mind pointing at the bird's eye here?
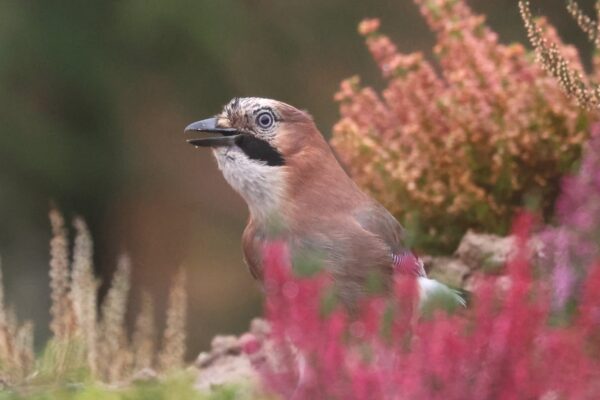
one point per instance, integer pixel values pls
(265, 120)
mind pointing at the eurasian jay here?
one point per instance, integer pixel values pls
(273, 155)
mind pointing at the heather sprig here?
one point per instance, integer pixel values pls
(16, 343)
(571, 77)
(572, 246)
(60, 310)
(144, 336)
(84, 292)
(173, 347)
(114, 348)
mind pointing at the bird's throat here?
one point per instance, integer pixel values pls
(261, 185)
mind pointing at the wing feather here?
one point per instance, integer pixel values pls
(374, 218)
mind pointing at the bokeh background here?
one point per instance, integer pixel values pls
(94, 97)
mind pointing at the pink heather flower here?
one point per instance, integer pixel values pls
(501, 347)
(574, 245)
(249, 343)
(563, 275)
(368, 26)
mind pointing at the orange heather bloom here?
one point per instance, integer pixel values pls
(368, 26)
(461, 148)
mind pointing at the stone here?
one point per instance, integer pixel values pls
(484, 251)
(204, 359)
(260, 328)
(502, 283)
(227, 369)
(448, 270)
(225, 344)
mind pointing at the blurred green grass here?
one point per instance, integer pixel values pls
(177, 387)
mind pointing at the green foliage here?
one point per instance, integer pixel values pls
(63, 361)
(179, 386)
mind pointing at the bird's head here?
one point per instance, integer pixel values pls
(260, 145)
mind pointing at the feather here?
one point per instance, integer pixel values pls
(434, 295)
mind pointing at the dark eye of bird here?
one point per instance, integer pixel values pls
(265, 120)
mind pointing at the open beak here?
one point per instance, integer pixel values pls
(227, 136)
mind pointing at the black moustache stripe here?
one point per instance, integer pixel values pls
(258, 149)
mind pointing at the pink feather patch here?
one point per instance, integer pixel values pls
(407, 264)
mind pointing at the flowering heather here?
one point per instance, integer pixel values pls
(462, 147)
(502, 347)
(574, 244)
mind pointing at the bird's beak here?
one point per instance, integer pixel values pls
(227, 135)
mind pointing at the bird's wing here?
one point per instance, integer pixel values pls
(374, 218)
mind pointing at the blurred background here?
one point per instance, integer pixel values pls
(94, 99)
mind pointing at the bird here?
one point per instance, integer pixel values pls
(274, 156)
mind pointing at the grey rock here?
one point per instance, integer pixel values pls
(226, 363)
(485, 251)
(204, 359)
(260, 328)
(226, 369)
(228, 344)
(502, 283)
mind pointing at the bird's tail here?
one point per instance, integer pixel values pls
(434, 295)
